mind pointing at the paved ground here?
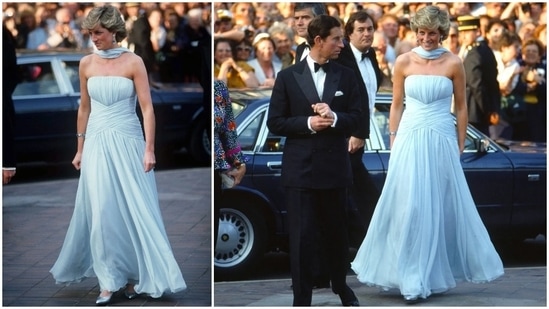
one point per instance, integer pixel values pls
(519, 287)
(35, 220)
(36, 216)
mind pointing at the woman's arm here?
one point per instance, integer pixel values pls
(141, 82)
(397, 106)
(83, 111)
(458, 79)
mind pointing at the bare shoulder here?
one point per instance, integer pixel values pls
(86, 61)
(455, 63)
(455, 59)
(133, 58)
(404, 58)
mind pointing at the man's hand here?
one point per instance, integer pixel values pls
(323, 110)
(319, 123)
(7, 176)
(494, 119)
(355, 144)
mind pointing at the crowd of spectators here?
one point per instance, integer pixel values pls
(505, 26)
(169, 39)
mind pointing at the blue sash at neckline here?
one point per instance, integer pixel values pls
(429, 54)
(112, 53)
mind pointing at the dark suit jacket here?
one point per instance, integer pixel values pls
(299, 51)
(9, 82)
(483, 96)
(321, 160)
(140, 36)
(347, 58)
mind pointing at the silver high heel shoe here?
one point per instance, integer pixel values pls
(411, 299)
(103, 300)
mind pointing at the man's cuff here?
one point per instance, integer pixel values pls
(8, 168)
(309, 125)
(335, 120)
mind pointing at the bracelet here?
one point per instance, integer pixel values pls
(393, 133)
(81, 135)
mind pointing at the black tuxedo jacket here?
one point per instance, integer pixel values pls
(347, 58)
(299, 51)
(9, 82)
(319, 160)
(140, 37)
(482, 89)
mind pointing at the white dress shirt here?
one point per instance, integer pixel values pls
(319, 79)
(368, 75)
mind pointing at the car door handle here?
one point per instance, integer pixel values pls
(533, 177)
(274, 166)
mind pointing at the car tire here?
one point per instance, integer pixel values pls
(200, 143)
(240, 243)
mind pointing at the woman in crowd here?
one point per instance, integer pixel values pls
(532, 85)
(235, 74)
(283, 37)
(264, 65)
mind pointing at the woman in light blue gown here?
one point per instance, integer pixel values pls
(426, 233)
(116, 232)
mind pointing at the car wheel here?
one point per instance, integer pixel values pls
(200, 145)
(240, 242)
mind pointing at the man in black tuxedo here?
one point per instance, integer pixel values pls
(482, 88)
(9, 82)
(304, 12)
(316, 105)
(139, 35)
(359, 55)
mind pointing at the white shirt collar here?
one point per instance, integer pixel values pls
(356, 52)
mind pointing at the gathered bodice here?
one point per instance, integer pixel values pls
(113, 106)
(428, 103)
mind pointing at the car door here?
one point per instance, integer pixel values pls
(46, 103)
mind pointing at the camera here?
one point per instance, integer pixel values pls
(525, 7)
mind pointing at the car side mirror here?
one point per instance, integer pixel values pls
(482, 145)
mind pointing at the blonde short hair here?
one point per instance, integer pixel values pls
(431, 17)
(108, 17)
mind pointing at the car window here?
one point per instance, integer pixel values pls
(250, 131)
(469, 143)
(273, 143)
(237, 108)
(36, 78)
(71, 68)
(380, 120)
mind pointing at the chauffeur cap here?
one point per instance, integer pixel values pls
(468, 23)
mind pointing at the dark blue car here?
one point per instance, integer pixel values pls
(508, 182)
(46, 104)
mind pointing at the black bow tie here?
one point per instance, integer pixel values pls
(324, 66)
(364, 55)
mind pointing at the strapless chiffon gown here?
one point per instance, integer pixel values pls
(116, 232)
(426, 234)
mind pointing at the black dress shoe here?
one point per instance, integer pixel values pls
(348, 298)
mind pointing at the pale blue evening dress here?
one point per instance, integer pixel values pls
(426, 234)
(116, 232)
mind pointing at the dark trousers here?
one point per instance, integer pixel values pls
(317, 210)
(363, 196)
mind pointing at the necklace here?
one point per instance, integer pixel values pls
(112, 53)
(430, 54)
